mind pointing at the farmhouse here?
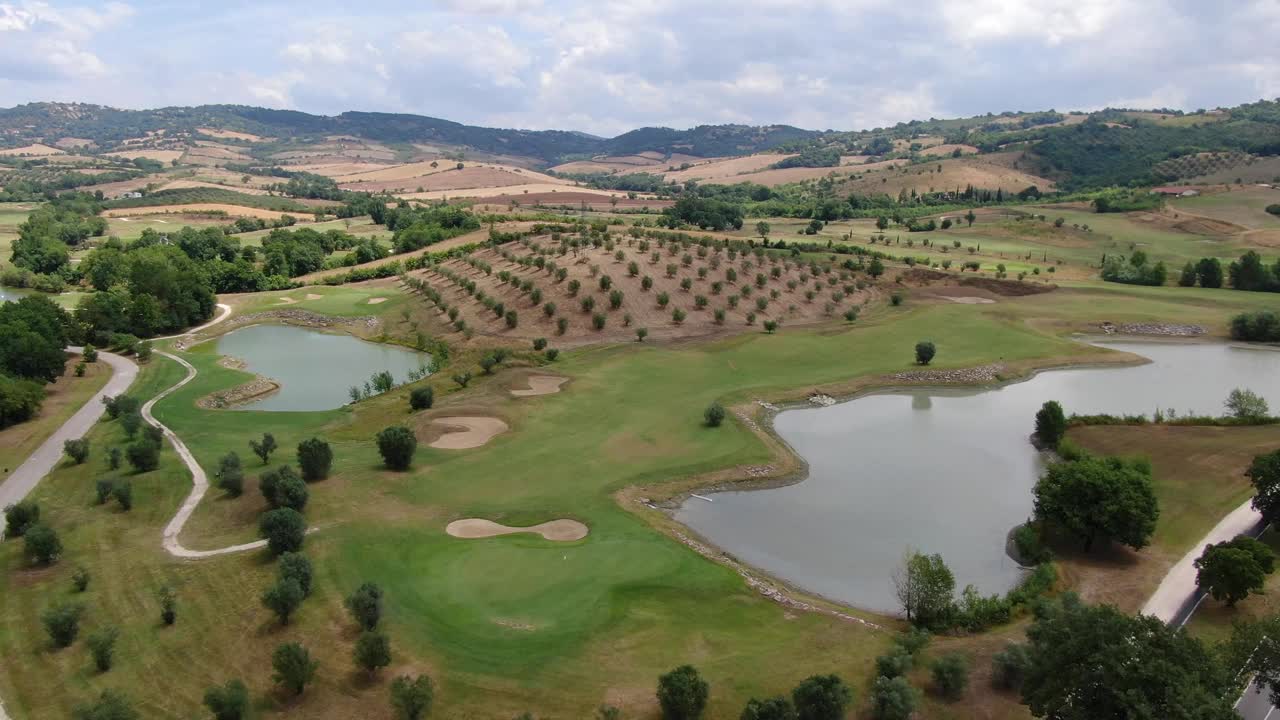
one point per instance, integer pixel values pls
(1176, 191)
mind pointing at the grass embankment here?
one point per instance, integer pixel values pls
(1198, 474)
(62, 399)
(506, 624)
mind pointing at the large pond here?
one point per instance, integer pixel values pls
(943, 471)
(315, 370)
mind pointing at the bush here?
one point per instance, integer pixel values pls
(925, 351)
(893, 699)
(105, 486)
(123, 494)
(41, 545)
(62, 623)
(552, 354)
(293, 667)
(110, 705)
(397, 445)
(1028, 544)
(774, 708)
(168, 604)
(895, 299)
(365, 606)
(411, 697)
(682, 694)
(1010, 666)
(20, 516)
(539, 344)
(229, 701)
(20, 400)
(951, 675)
(283, 488)
(894, 663)
(143, 455)
(462, 379)
(80, 579)
(913, 640)
(821, 697)
(284, 528)
(231, 474)
(102, 644)
(315, 458)
(713, 416)
(283, 598)
(77, 450)
(770, 326)
(422, 398)
(372, 651)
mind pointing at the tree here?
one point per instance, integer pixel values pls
(284, 528)
(296, 566)
(20, 516)
(143, 455)
(951, 675)
(168, 604)
(1187, 278)
(365, 605)
(77, 450)
(463, 378)
(970, 217)
(131, 422)
(713, 415)
(32, 337)
(110, 705)
(231, 474)
(893, 699)
(293, 667)
(41, 545)
(102, 644)
(411, 697)
(1009, 666)
(774, 708)
(397, 444)
(882, 223)
(1091, 662)
(821, 697)
(762, 229)
(282, 487)
(925, 351)
(1246, 405)
(123, 493)
(896, 662)
(264, 447)
(875, 268)
(421, 398)
(1264, 473)
(925, 588)
(1231, 570)
(1209, 272)
(315, 457)
(1108, 499)
(62, 622)
(1051, 424)
(372, 651)
(283, 598)
(682, 694)
(229, 701)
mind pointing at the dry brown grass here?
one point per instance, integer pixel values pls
(32, 150)
(446, 178)
(62, 399)
(164, 156)
(727, 168)
(232, 210)
(231, 135)
(954, 173)
(947, 150)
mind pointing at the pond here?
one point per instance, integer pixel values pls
(12, 294)
(315, 369)
(943, 471)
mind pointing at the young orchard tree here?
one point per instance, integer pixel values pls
(77, 450)
(925, 350)
(372, 651)
(682, 694)
(397, 445)
(102, 645)
(284, 529)
(822, 697)
(365, 606)
(62, 623)
(412, 697)
(293, 667)
(283, 598)
(41, 545)
(229, 701)
(315, 458)
(264, 447)
(231, 475)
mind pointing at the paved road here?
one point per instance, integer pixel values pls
(1176, 597)
(23, 480)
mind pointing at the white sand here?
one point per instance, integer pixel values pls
(968, 300)
(464, 433)
(558, 530)
(375, 301)
(541, 385)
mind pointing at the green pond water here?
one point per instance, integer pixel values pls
(315, 369)
(943, 471)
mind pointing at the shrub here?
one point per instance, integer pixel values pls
(615, 299)
(895, 299)
(365, 605)
(105, 486)
(283, 598)
(925, 351)
(462, 379)
(412, 697)
(80, 579)
(113, 458)
(893, 699)
(315, 458)
(41, 545)
(293, 667)
(641, 334)
(951, 675)
(539, 344)
(1051, 424)
(90, 354)
(562, 324)
(770, 326)
(552, 354)
(143, 455)
(1010, 666)
(77, 450)
(102, 644)
(283, 488)
(1246, 405)
(229, 701)
(284, 529)
(682, 694)
(62, 623)
(512, 319)
(372, 651)
(110, 705)
(422, 398)
(894, 663)
(821, 697)
(774, 708)
(678, 316)
(231, 474)
(397, 445)
(20, 516)
(598, 321)
(1261, 326)
(713, 416)
(1029, 545)
(123, 494)
(913, 640)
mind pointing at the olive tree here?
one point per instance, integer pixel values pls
(925, 350)
(315, 457)
(821, 697)
(682, 694)
(397, 445)
(372, 651)
(293, 667)
(365, 605)
(284, 529)
(229, 701)
(411, 697)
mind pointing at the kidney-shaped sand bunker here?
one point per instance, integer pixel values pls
(558, 530)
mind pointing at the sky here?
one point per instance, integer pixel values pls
(608, 66)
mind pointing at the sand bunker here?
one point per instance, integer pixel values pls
(970, 300)
(285, 301)
(558, 530)
(313, 296)
(542, 385)
(464, 433)
(375, 301)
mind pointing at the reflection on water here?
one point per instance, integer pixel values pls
(945, 471)
(314, 369)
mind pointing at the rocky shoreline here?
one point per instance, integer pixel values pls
(974, 375)
(304, 318)
(1164, 329)
(255, 389)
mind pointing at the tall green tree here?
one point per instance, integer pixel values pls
(682, 694)
(1233, 569)
(925, 588)
(1107, 499)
